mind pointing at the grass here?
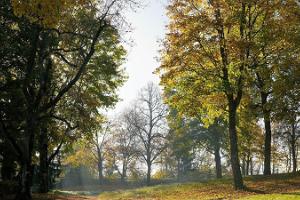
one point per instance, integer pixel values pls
(277, 187)
(291, 196)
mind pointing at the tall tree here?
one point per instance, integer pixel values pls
(210, 51)
(55, 57)
(148, 117)
(124, 140)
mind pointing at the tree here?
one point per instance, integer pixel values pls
(287, 108)
(209, 54)
(187, 134)
(98, 144)
(123, 143)
(148, 118)
(53, 60)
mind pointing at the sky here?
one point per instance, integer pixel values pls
(148, 27)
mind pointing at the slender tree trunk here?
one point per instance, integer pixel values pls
(248, 162)
(268, 134)
(244, 166)
(251, 166)
(178, 169)
(44, 165)
(148, 173)
(234, 155)
(293, 148)
(218, 161)
(100, 167)
(124, 172)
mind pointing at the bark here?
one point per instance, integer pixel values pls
(235, 163)
(268, 134)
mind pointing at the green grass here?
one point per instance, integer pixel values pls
(278, 187)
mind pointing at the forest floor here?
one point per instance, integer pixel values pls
(275, 187)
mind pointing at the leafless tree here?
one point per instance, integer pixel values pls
(148, 118)
(124, 139)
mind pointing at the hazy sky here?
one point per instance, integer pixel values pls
(148, 24)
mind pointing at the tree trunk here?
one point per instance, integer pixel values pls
(24, 192)
(44, 165)
(148, 173)
(244, 166)
(293, 148)
(251, 166)
(218, 161)
(235, 163)
(124, 172)
(26, 174)
(248, 163)
(100, 170)
(178, 169)
(268, 134)
(8, 168)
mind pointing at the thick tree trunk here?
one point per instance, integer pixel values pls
(44, 165)
(218, 161)
(268, 134)
(234, 155)
(25, 178)
(26, 174)
(148, 181)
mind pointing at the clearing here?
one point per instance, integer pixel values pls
(276, 187)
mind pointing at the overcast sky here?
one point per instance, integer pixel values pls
(148, 27)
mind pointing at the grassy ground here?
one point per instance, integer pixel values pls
(278, 187)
